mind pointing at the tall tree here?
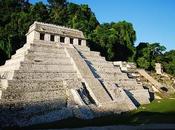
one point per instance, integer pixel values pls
(146, 54)
(39, 12)
(115, 40)
(168, 62)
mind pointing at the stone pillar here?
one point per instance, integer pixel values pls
(67, 40)
(57, 39)
(158, 68)
(47, 37)
(83, 42)
(34, 35)
(75, 42)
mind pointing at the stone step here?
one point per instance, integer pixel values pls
(31, 49)
(129, 84)
(113, 75)
(112, 90)
(51, 54)
(14, 61)
(9, 67)
(140, 95)
(91, 56)
(24, 48)
(90, 53)
(95, 59)
(49, 62)
(34, 85)
(45, 95)
(40, 48)
(111, 78)
(98, 68)
(35, 96)
(39, 54)
(107, 70)
(42, 44)
(67, 66)
(46, 67)
(36, 57)
(45, 44)
(7, 74)
(35, 112)
(44, 75)
(46, 59)
(47, 49)
(41, 85)
(82, 48)
(96, 62)
(64, 60)
(98, 65)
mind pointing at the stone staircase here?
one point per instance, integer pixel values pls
(43, 78)
(112, 78)
(37, 74)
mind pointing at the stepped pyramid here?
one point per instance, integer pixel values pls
(55, 76)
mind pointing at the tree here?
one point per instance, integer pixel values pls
(39, 12)
(57, 3)
(147, 54)
(115, 40)
(168, 62)
(81, 17)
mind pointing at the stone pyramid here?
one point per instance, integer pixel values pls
(55, 76)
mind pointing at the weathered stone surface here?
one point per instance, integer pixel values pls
(47, 81)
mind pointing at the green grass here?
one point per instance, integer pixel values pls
(158, 111)
(162, 106)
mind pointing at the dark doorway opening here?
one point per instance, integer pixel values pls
(79, 42)
(41, 36)
(62, 39)
(71, 40)
(52, 38)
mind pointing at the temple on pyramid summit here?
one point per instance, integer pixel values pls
(55, 76)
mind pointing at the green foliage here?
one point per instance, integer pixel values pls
(39, 12)
(168, 62)
(81, 17)
(13, 25)
(147, 54)
(17, 16)
(57, 3)
(115, 40)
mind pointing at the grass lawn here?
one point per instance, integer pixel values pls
(158, 111)
(162, 106)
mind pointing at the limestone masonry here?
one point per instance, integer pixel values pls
(55, 76)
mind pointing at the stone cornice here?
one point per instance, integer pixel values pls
(56, 30)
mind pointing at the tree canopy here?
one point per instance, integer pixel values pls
(148, 54)
(114, 40)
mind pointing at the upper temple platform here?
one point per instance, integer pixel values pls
(54, 33)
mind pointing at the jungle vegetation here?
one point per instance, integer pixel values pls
(114, 40)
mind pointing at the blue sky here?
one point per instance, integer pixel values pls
(153, 20)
